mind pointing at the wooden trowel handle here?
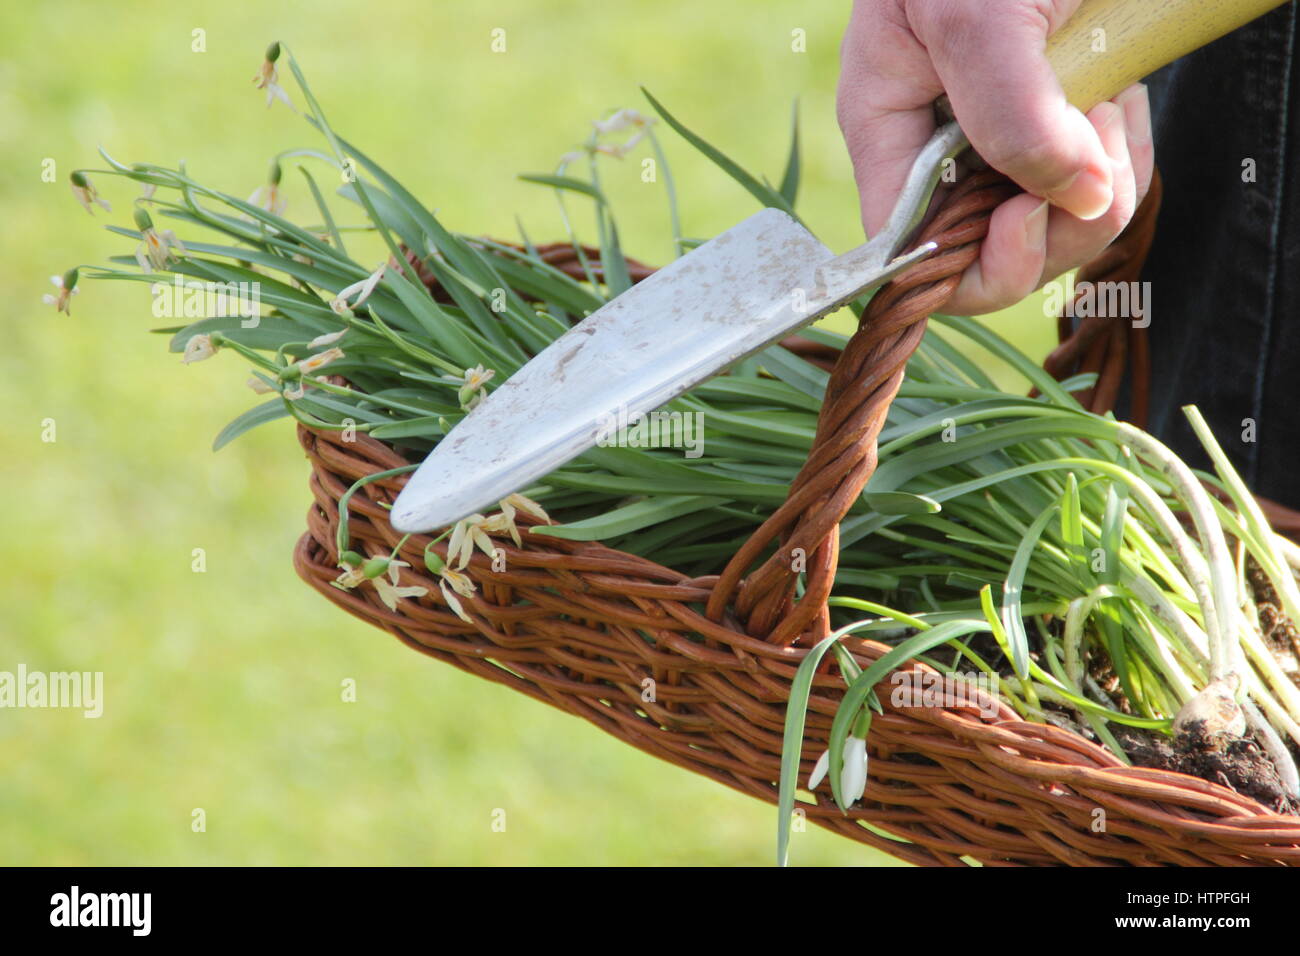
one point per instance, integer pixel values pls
(1109, 44)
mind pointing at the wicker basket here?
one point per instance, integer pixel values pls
(581, 627)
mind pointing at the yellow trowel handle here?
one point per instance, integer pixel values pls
(1109, 44)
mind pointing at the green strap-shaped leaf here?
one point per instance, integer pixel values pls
(257, 415)
(1012, 613)
(862, 687)
(633, 517)
(760, 191)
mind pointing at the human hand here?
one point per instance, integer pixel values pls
(1083, 176)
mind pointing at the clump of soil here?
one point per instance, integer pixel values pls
(1280, 633)
(1240, 763)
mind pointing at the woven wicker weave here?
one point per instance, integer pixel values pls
(581, 627)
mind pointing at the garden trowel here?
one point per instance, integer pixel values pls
(747, 288)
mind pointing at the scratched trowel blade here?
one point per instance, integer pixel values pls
(725, 300)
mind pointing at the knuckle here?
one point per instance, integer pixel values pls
(1031, 155)
(942, 19)
(955, 21)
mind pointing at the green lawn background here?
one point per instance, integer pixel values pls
(223, 688)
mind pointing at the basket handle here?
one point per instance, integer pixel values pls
(862, 385)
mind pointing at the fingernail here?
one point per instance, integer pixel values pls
(1113, 138)
(1109, 112)
(1036, 227)
(1136, 104)
(1087, 195)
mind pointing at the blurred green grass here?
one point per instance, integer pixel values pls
(223, 688)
